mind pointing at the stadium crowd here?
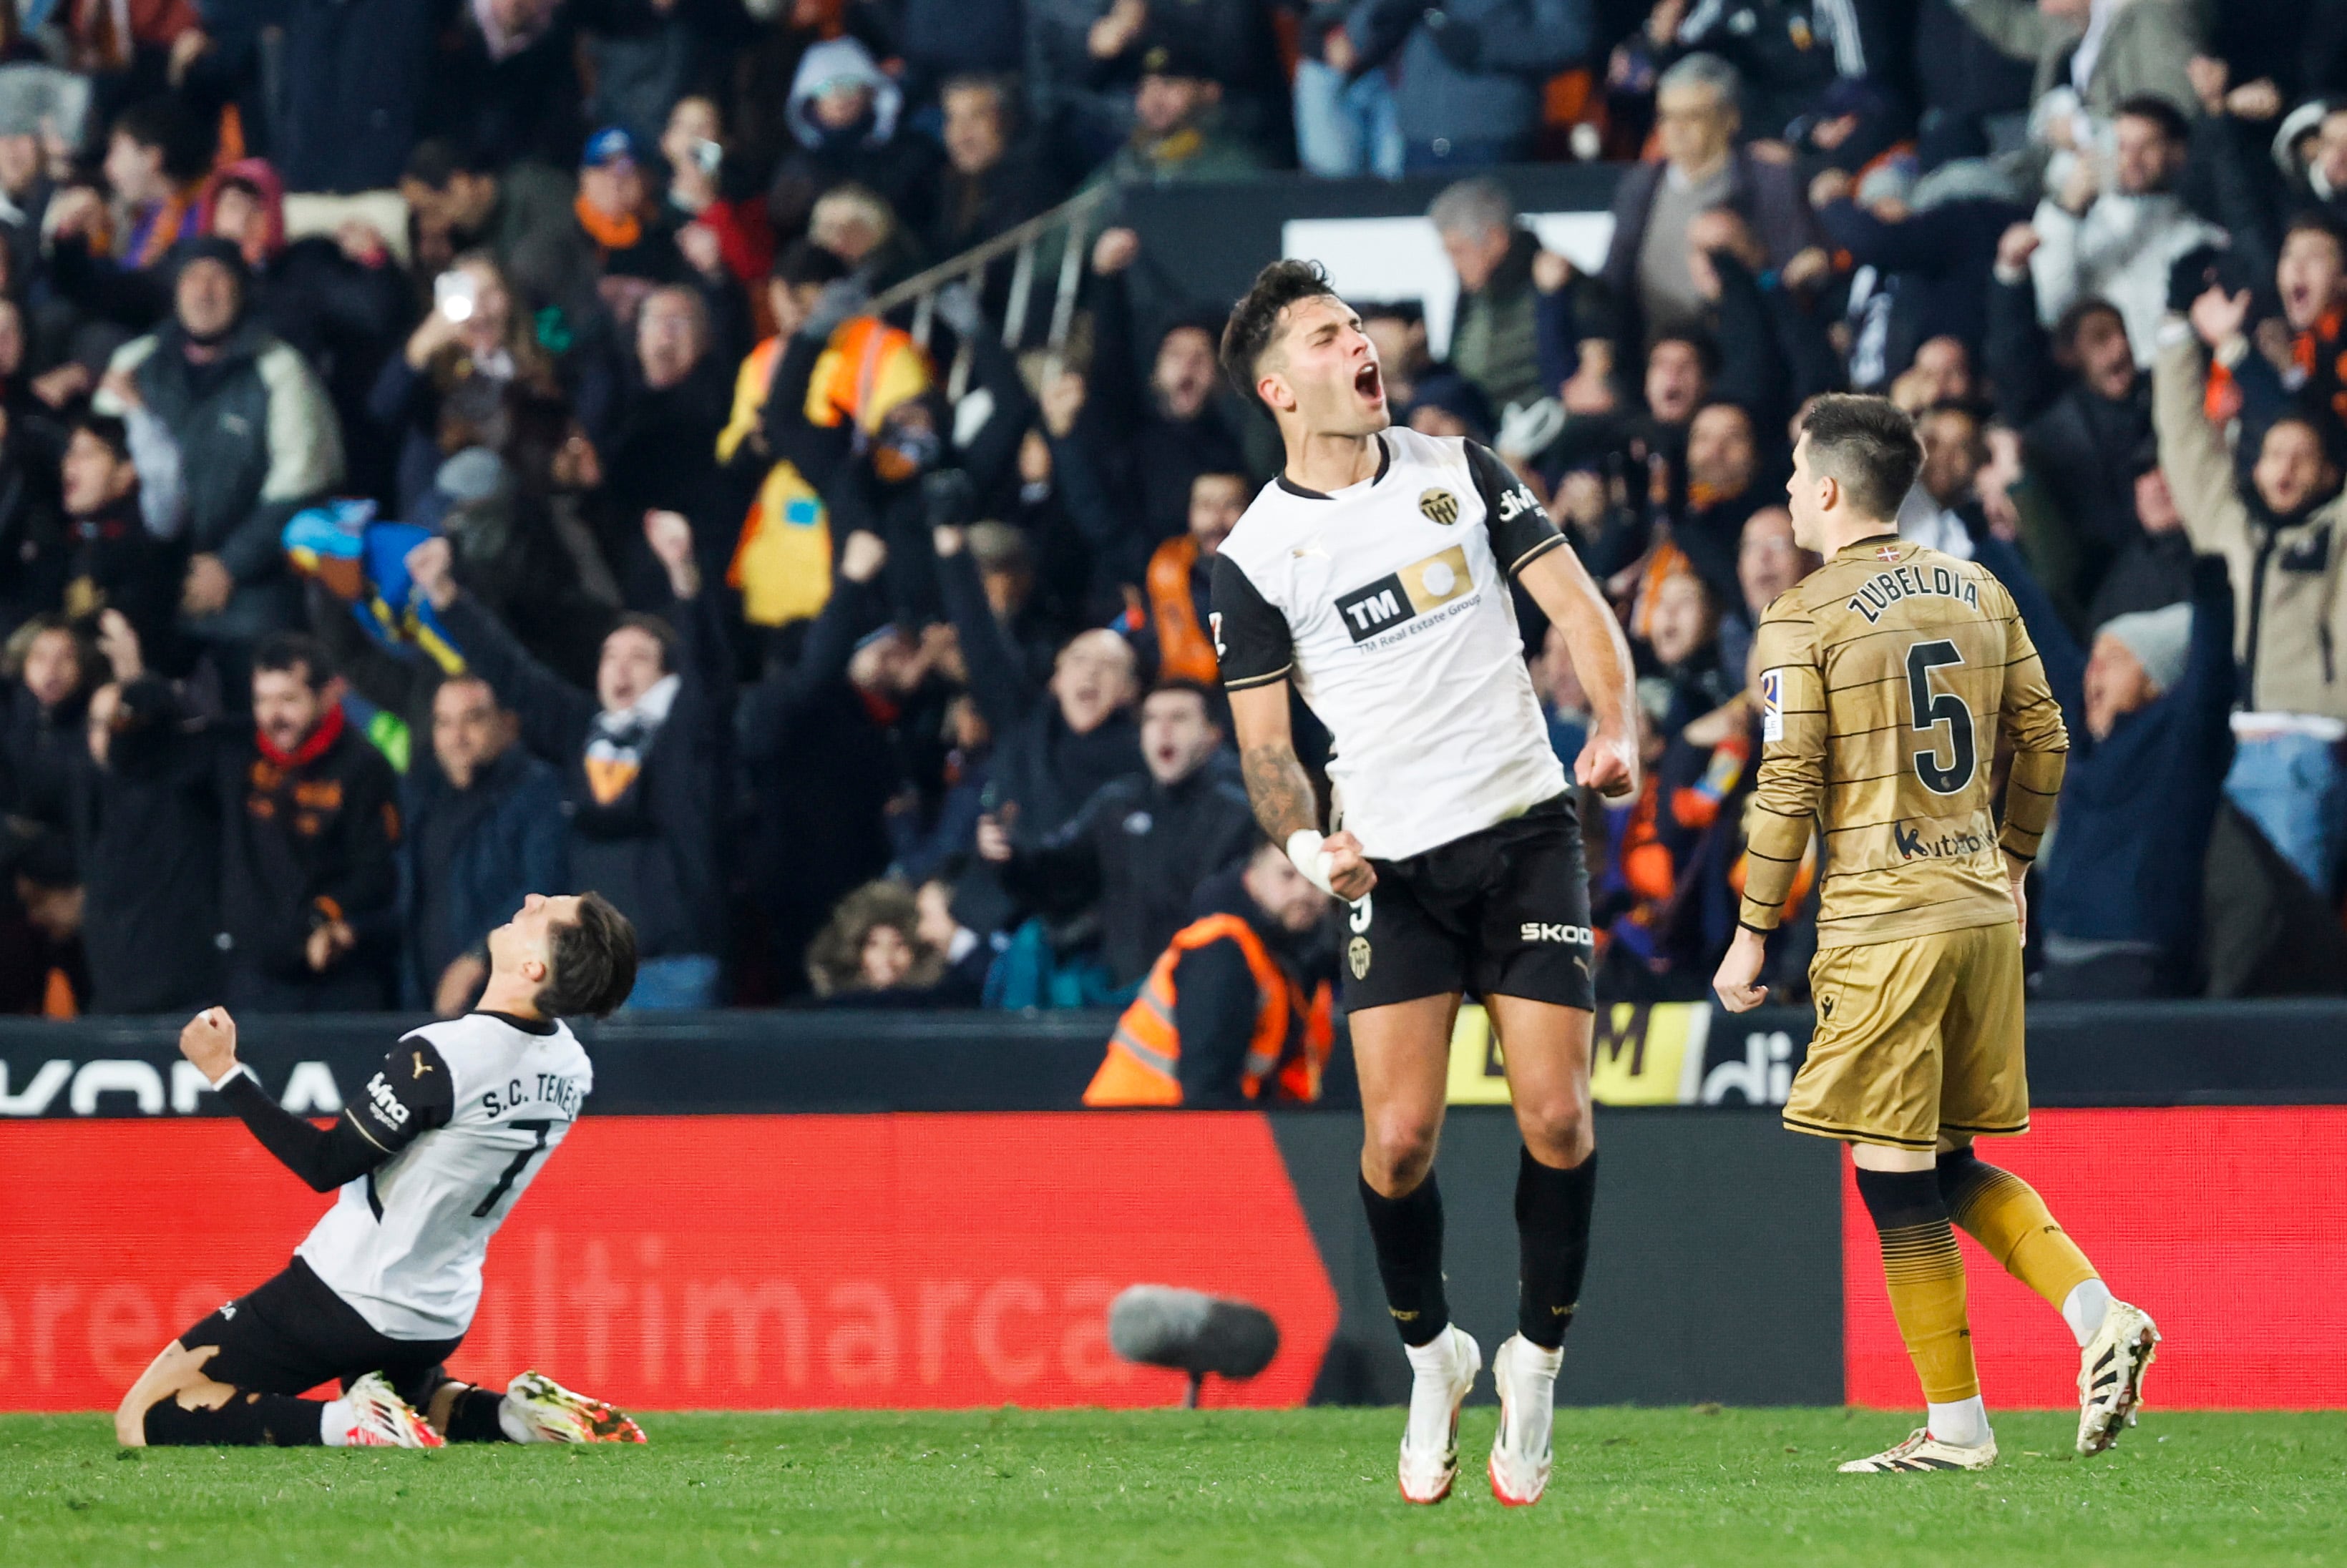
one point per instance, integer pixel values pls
(446, 453)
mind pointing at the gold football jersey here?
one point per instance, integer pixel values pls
(1887, 677)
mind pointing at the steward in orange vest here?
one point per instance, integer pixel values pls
(1227, 1017)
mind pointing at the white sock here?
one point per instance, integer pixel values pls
(1430, 1399)
(1963, 1423)
(2083, 1309)
(509, 1422)
(334, 1423)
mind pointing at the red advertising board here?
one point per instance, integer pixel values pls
(2220, 1222)
(716, 1262)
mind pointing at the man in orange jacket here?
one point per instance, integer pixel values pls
(1230, 1015)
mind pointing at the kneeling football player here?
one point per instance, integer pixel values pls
(429, 1162)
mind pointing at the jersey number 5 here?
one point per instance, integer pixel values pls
(513, 1170)
(1930, 710)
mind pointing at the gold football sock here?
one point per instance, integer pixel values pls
(1926, 1276)
(2005, 1214)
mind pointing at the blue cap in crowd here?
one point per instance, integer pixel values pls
(613, 143)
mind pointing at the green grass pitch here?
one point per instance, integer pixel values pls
(1305, 1488)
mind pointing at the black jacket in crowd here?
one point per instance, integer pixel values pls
(147, 840)
(1138, 850)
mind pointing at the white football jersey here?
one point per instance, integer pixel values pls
(469, 1110)
(1388, 604)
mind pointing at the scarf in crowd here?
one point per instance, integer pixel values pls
(613, 233)
(617, 743)
(313, 746)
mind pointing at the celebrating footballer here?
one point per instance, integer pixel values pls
(1372, 579)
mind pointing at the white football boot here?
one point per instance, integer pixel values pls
(2110, 1375)
(381, 1419)
(552, 1413)
(1429, 1442)
(1526, 1376)
(1921, 1450)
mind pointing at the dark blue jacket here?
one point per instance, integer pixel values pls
(2126, 862)
(519, 847)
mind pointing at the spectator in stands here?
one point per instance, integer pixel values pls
(257, 442)
(1399, 330)
(1925, 283)
(155, 155)
(2140, 47)
(645, 759)
(1179, 580)
(2116, 236)
(355, 81)
(2148, 763)
(942, 39)
(991, 181)
(1234, 1012)
(1057, 744)
(2311, 281)
(116, 563)
(658, 440)
(2082, 409)
(473, 344)
(1140, 848)
(1494, 342)
(1791, 54)
(306, 814)
(1179, 130)
(1470, 75)
(846, 114)
(2278, 534)
(52, 670)
(463, 201)
(484, 829)
(823, 737)
(871, 951)
(1346, 124)
(1701, 168)
(504, 81)
(718, 224)
(1942, 511)
(1137, 444)
(1768, 562)
(598, 268)
(966, 955)
(1446, 403)
(35, 548)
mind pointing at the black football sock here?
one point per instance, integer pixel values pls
(1409, 1234)
(1552, 1240)
(473, 1417)
(247, 1420)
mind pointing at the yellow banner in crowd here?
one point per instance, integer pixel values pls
(1650, 1055)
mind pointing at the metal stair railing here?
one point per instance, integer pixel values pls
(1072, 220)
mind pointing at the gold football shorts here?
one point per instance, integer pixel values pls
(1915, 1037)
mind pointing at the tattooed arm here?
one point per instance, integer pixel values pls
(1281, 792)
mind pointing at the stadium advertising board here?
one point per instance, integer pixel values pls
(724, 1262)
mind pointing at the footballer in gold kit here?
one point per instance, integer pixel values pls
(1887, 677)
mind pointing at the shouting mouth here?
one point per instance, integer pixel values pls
(1370, 384)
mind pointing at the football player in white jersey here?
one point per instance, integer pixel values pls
(1373, 577)
(429, 1159)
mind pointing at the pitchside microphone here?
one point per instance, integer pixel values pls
(1192, 1332)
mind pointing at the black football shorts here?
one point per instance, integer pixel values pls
(293, 1333)
(1502, 912)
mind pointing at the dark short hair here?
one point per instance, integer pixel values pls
(2067, 324)
(1868, 443)
(1707, 352)
(437, 160)
(1254, 321)
(804, 262)
(653, 626)
(1198, 689)
(593, 959)
(2151, 106)
(104, 428)
(2312, 220)
(282, 652)
(161, 122)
